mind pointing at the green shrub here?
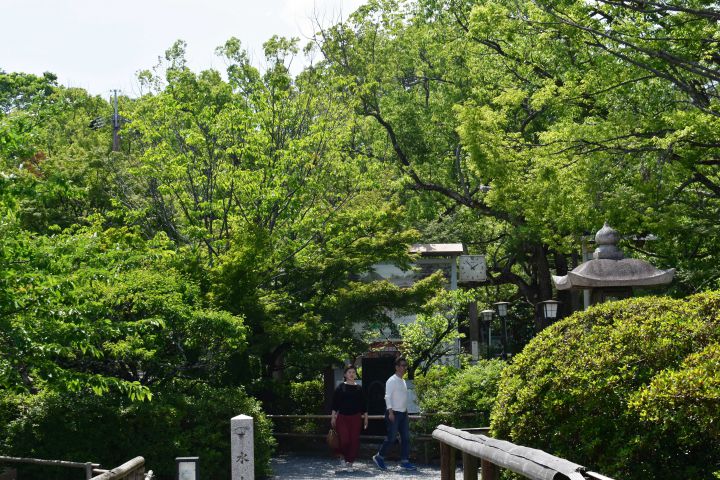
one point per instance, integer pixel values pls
(9, 410)
(629, 388)
(182, 420)
(307, 397)
(448, 394)
(295, 398)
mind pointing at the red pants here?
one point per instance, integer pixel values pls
(348, 428)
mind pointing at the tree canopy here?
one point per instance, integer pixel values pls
(539, 120)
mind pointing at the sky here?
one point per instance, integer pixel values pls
(100, 45)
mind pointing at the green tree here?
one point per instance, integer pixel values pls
(435, 330)
(19, 91)
(61, 168)
(413, 68)
(532, 122)
(616, 127)
(261, 176)
(105, 309)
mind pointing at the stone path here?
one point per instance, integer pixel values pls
(297, 467)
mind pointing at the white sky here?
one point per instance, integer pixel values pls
(99, 45)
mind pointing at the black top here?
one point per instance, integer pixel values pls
(349, 399)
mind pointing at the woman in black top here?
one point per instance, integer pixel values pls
(349, 412)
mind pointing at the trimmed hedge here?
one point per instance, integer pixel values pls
(181, 420)
(630, 389)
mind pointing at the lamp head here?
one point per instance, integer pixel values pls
(487, 315)
(549, 309)
(501, 308)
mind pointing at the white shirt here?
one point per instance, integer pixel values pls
(396, 395)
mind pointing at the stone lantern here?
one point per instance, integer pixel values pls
(609, 275)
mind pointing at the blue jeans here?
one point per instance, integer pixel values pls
(400, 425)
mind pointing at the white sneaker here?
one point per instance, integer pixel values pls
(349, 467)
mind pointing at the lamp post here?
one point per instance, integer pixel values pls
(502, 310)
(549, 309)
(487, 316)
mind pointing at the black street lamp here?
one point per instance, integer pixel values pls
(502, 310)
(487, 316)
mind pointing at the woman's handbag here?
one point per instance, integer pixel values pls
(333, 440)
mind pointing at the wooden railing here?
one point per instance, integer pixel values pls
(88, 467)
(324, 422)
(491, 454)
(423, 442)
(131, 470)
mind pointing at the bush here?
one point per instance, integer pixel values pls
(285, 398)
(629, 388)
(182, 420)
(296, 398)
(446, 393)
(10, 409)
(307, 397)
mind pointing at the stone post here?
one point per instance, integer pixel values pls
(242, 448)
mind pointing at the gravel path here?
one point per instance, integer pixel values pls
(292, 467)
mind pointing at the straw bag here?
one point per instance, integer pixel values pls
(333, 440)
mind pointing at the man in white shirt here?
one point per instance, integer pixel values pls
(396, 417)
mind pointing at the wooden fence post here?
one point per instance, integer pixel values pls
(470, 467)
(490, 471)
(447, 462)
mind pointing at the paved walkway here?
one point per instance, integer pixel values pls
(297, 467)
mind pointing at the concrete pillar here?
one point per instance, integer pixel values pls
(242, 448)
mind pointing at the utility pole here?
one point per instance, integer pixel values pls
(116, 125)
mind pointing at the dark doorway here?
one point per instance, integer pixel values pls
(375, 373)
